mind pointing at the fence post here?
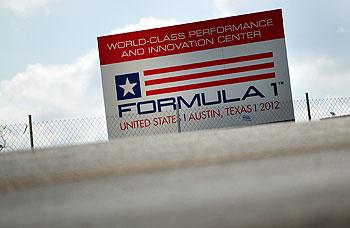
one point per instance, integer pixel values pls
(31, 132)
(178, 119)
(308, 106)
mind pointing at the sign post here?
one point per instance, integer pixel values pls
(224, 72)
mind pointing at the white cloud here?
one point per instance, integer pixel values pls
(321, 76)
(25, 7)
(145, 23)
(53, 91)
(223, 8)
(60, 91)
(234, 7)
(341, 30)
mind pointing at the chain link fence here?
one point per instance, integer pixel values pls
(94, 129)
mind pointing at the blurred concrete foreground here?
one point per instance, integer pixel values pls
(279, 175)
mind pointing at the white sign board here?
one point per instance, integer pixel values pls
(218, 73)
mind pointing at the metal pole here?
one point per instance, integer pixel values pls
(178, 119)
(31, 132)
(308, 106)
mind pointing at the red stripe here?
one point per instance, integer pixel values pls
(208, 63)
(209, 74)
(210, 84)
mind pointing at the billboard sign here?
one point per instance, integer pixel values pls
(217, 73)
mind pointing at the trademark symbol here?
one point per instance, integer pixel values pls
(275, 87)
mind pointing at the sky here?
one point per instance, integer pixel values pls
(49, 59)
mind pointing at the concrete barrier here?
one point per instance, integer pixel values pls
(275, 175)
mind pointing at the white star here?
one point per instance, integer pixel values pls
(128, 87)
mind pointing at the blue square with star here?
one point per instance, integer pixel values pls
(128, 86)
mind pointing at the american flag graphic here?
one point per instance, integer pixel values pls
(206, 74)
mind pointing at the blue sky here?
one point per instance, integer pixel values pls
(49, 64)
(61, 30)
